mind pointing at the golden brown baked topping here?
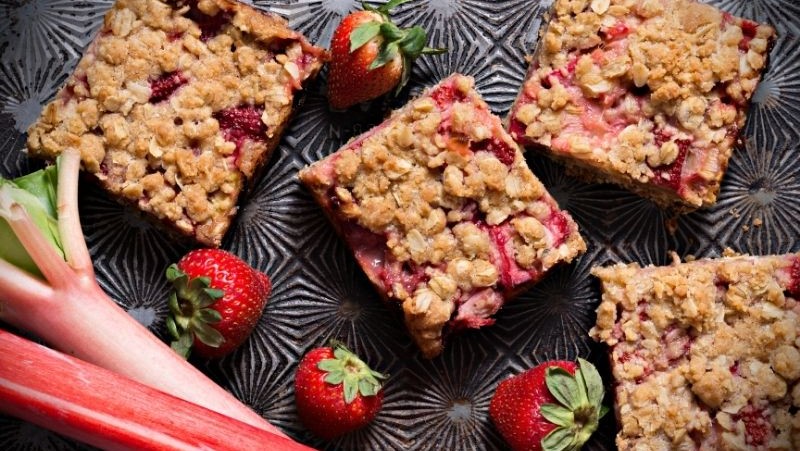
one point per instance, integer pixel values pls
(613, 82)
(177, 103)
(705, 354)
(458, 219)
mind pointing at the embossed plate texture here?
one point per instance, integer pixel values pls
(319, 291)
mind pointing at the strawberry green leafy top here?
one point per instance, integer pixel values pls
(580, 410)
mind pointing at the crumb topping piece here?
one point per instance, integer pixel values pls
(177, 103)
(456, 209)
(705, 354)
(643, 92)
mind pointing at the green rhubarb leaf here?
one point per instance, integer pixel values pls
(563, 387)
(43, 185)
(363, 34)
(559, 439)
(36, 194)
(557, 415)
(603, 411)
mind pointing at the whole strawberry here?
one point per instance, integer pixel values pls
(372, 56)
(554, 406)
(336, 392)
(216, 302)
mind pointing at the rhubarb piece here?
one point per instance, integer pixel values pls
(705, 354)
(63, 304)
(442, 212)
(177, 105)
(106, 410)
(649, 95)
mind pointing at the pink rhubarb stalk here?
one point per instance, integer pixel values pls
(104, 409)
(72, 313)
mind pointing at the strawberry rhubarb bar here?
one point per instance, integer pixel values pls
(176, 104)
(442, 212)
(705, 355)
(647, 94)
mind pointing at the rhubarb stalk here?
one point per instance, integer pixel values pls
(68, 309)
(109, 411)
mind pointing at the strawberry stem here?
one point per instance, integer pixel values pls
(354, 374)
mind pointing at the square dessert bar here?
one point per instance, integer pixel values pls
(647, 94)
(176, 104)
(705, 355)
(442, 212)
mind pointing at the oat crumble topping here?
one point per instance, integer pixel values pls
(177, 103)
(648, 94)
(705, 355)
(442, 212)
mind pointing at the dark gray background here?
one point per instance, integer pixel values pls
(319, 290)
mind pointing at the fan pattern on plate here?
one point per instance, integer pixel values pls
(319, 291)
(782, 14)
(41, 31)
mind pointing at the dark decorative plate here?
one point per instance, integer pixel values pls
(319, 290)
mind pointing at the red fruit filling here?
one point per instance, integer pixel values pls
(560, 75)
(749, 32)
(501, 240)
(794, 282)
(69, 91)
(210, 26)
(445, 96)
(619, 30)
(678, 343)
(174, 36)
(669, 176)
(641, 307)
(476, 309)
(164, 86)
(636, 358)
(505, 153)
(756, 424)
(517, 130)
(558, 226)
(241, 123)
